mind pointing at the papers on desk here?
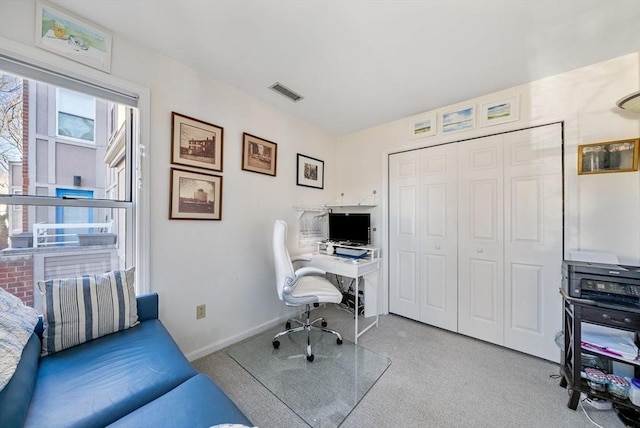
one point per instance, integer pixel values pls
(610, 341)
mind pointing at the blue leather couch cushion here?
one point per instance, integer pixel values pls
(16, 395)
(196, 403)
(99, 382)
(147, 306)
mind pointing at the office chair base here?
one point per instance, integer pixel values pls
(307, 326)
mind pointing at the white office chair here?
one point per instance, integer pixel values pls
(304, 286)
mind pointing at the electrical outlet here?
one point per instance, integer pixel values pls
(201, 311)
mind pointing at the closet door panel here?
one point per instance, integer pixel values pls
(404, 240)
(533, 240)
(480, 240)
(527, 287)
(434, 271)
(438, 231)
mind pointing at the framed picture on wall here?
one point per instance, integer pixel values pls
(460, 119)
(195, 196)
(67, 35)
(310, 172)
(196, 143)
(612, 156)
(259, 155)
(422, 126)
(502, 111)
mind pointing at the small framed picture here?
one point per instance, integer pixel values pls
(461, 119)
(67, 35)
(422, 126)
(612, 156)
(310, 172)
(195, 196)
(196, 143)
(496, 112)
(259, 155)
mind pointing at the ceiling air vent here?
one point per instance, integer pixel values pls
(284, 91)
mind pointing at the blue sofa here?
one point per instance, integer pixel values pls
(133, 378)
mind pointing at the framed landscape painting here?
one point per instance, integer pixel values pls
(506, 110)
(422, 126)
(461, 119)
(259, 155)
(195, 196)
(196, 143)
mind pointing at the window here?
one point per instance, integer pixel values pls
(75, 115)
(72, 205)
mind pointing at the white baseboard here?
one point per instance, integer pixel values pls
(209, 349)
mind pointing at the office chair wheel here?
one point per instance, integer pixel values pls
(339, 341)
(276, 344)
(324, 323)
(310, 358)
(287, 326)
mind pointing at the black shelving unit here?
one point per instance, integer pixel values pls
(577, 311)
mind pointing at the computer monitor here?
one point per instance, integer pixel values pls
(350, 228)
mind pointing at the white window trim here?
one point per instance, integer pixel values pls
(141, 196)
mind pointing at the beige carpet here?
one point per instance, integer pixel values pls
(436, 379)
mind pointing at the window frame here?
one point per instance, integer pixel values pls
(37, 63)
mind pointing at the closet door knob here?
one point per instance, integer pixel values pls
(437, 247)
(479, 250)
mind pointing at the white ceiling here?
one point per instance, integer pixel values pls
(363, 63)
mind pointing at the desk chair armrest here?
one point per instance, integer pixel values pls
(293, 282)
(308, 270)
(300, 258)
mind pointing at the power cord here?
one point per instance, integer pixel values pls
(557, 376)
(587, 415)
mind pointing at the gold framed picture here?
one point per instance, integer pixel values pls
(611, 156)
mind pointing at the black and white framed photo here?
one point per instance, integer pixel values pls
(195, 196)
(196, 143)
(259, 155)
(310, 172)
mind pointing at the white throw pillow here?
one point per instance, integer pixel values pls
(17, 322)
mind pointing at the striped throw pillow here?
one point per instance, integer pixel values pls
(77, 310)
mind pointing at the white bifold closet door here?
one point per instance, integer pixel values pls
(479, 250)
(533, 240)
(423, 228)
(480, 243)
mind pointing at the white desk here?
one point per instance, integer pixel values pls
(363, 271)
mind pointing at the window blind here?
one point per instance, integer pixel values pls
(32, 71)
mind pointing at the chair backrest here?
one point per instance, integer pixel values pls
(284, 267)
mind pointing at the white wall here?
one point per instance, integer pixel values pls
(226, 264)
(602, 211)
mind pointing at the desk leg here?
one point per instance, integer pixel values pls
(359, 333)
(357, 291)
